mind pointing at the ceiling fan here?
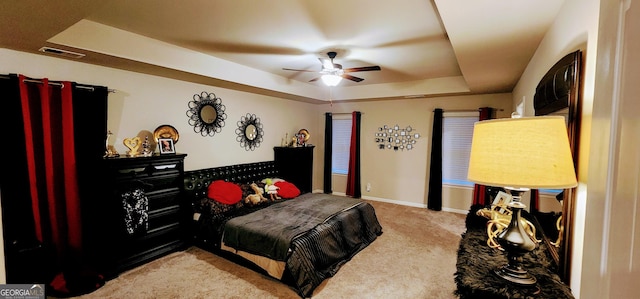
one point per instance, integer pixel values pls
(332, 73)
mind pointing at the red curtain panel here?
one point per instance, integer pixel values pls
(48, 127)
(479, 191)
(353, 175)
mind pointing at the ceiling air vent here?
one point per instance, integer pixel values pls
(61, 52)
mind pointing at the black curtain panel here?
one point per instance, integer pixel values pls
(16, 204)
(328, 151)
(434, 199)
(90, 113)
(353, 176)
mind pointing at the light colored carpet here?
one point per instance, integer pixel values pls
(415, 257)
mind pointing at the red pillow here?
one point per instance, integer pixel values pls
(287, 190)
(224, 192)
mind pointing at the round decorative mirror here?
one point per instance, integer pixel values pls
(249, 132)
(206, 114)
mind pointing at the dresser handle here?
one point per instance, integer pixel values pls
(131, 170)
(165, 166)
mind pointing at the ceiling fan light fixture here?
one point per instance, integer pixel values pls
(327, 64)
(332, 73)
(331, 80)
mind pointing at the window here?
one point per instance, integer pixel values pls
(553, 192)
(457, 134)
(340, 145)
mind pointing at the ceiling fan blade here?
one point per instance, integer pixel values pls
(295, 70)
(362, 69)
(326, 63)
(329, 65)
(352, 78)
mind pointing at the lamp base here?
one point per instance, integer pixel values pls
(516, 275)
(516, 242)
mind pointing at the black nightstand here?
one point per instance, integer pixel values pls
(295, 164)
(474, 275)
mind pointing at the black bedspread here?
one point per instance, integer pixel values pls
(314, 249)
(319, 253)
(269, 232)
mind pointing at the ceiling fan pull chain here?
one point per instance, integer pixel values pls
(330, 97)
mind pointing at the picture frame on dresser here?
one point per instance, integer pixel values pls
(166, 146)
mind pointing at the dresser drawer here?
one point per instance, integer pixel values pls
(157, 243)
(162, 182)
(160, 199)
(148, 182)
(164, 217)
(153, 238)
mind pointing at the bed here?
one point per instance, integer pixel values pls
(299, 239)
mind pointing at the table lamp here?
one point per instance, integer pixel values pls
(520, 154)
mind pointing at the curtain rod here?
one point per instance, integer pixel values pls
(338, 113)
(62, 85)
(55, 83)
(466, 110)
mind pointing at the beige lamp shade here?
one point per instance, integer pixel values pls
(529, 152)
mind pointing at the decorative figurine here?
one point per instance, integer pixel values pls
(271, 189)
(133, 144)
(303, 137)
(146, 147)
(110, 151)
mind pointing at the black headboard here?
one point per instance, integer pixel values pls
(197, 181)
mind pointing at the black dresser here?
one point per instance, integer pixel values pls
(295, 164)
(158, 183)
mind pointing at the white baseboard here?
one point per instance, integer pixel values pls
(399, 202)
(412, 204)
(457, 211)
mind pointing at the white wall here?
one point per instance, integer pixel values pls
(142, 102)
(402, 177)
(611, 259)
(604, 259)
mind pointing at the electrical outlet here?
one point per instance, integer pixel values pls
(368, 187)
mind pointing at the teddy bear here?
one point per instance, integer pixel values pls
(272, 190)
(257, 197)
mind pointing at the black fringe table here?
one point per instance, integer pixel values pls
(476, 262)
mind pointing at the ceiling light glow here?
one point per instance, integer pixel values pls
(331, 80)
